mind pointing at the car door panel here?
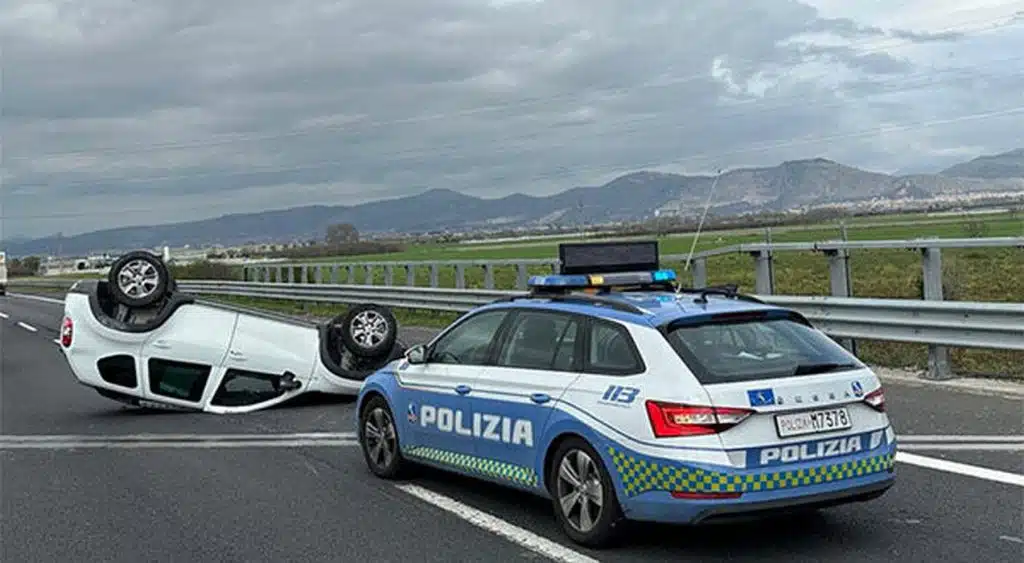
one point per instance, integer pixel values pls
(437, 396)
(261, 351)
(536, 364)
(182, 359)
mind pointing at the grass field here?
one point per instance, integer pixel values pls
(995, 274)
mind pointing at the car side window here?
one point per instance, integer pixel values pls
(611, 351)
(469, 342)
(540, 340)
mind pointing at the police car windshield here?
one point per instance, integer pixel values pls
(724, 352)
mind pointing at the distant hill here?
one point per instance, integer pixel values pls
(792, 185)
(1005, 165)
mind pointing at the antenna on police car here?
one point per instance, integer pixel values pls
(707, 206)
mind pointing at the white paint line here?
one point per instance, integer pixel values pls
(177, 445)
(1012, 539)
(956, 438)
(27, 327)
(57, 341)
(175, 437)
(963, 447)
(37, 298)
(515, 534)
(4, 316)
(961, 468)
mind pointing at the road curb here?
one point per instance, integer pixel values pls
(976, 385)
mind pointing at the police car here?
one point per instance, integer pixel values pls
(620, 396)
(136, 339)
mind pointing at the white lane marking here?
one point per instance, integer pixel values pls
(525, 538)
(4, 316)
(57, 341)
(211, 444)
(961, 468)
(1011, 538)
(156, 437)
(27, 327)
(984, 447)
(965, 438)
(37, 298)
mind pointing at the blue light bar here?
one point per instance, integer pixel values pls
(602, 280)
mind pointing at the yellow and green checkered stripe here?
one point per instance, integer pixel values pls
(478, 465)
(640, 475)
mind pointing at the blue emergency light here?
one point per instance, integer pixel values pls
(583, 281)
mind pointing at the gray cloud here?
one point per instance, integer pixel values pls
(119, 112)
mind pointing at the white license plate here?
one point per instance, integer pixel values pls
(813, 422)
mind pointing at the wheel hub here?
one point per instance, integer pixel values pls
(369, 328)
(579, 490)
(380, 438)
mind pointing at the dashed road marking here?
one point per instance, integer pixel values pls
(520, 536)
(4, 315)
(961, 468)
(37, 298)
(1011, 539)
(27, 327)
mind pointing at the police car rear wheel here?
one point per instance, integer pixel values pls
(379, 439)
(583, 496)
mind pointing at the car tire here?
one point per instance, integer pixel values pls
(369, 330)
(378, 438)
(138, 279)
(597, 489)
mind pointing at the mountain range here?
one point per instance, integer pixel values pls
(792, 185)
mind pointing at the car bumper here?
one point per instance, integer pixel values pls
(648, 497)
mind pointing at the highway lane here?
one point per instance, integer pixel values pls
(172, 504)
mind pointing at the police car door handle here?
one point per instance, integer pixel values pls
(540, 398)
(463, 389)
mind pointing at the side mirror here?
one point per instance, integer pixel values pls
(417, 354)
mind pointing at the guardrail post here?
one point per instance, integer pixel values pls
(522, 277)
(700, 272)
(460, 276)
(389, 275)
(318, 274)
(762, 272)
(291, 274)
(280, 275)
(410, 275)
(351, 274)
(434, 275)
(489, 276)
(839, 284)
(305, 274)
(335, 279)
(368, 275)
(938, 356)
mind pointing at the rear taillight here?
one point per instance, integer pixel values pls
(67, 332)
(671, 420)
(876, 399)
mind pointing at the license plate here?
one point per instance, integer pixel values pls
(813, 422)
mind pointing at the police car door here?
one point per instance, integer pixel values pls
(434, 401)
(512, 401)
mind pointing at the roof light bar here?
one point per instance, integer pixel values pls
(581, 281)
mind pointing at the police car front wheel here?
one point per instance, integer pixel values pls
(379, 439)
(583, 496)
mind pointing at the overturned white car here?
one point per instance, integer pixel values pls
(136, 339)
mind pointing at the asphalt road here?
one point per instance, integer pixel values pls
(288, 501)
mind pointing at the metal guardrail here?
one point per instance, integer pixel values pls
(941, 323)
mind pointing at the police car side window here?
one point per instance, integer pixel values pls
(611, 351)
(540, 340)
(470, 341)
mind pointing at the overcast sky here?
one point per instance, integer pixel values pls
(123, 112)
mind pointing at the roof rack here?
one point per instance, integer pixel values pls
(580, 298)
(728, 290)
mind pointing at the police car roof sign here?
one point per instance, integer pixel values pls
(608, 257)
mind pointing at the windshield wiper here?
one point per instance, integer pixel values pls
(808, 369)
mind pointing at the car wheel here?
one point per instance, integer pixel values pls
(378, 437)
(369, 330)
(583, 496)
(138, 279)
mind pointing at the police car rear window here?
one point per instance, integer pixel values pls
(757, 348)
